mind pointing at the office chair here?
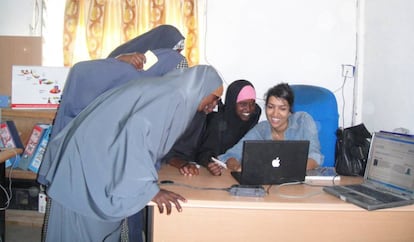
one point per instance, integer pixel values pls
(321, 104)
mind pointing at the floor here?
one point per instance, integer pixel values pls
(17, 233)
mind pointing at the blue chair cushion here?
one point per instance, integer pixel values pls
(321, 104)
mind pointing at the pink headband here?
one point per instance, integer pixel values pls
(247, 92)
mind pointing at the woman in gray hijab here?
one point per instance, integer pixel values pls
(104, 162)
(89, 79)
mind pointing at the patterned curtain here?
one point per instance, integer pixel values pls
(93, 28)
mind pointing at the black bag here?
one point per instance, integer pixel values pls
(351, 150)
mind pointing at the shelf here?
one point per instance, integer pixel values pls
(24, 217)
(20, 174)
(25, 119)
(38, 114)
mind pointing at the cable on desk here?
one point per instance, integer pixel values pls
(294, 196)
(171, 183)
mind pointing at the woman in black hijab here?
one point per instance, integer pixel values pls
(227, 126)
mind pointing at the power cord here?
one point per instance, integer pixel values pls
(9, 194)
(234, 190)
(172, 183)
(228, 189)
(311, 194)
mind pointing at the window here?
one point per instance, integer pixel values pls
(91, 29)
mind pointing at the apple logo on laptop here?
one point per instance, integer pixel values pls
(276, 162)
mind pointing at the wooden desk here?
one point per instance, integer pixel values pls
(217, 216)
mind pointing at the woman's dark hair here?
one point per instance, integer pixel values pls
(281, 90)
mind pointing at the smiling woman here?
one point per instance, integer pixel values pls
(281, 124)
(226, 127)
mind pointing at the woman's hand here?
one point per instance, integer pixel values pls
(214, 168)
(233, 164)
(189, 169)
(166, 198)
(136, 59)
(186, 168)
(312, 164)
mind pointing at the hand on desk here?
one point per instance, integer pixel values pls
(186, 168)
(189, 169)
(214, 168)
(165, 198)
(233, 164)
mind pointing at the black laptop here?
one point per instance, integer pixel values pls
(268, 162)
(389, 175)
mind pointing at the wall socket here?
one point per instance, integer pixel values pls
(42, 202)
(348, 71)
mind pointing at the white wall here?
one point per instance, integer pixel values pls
(269, 41)
(21, 17)
(295, 41)
(388, 72)
(300, 41)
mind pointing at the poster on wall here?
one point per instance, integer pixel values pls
(37, 87)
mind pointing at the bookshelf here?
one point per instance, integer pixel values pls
(21, 50)
(24, 119)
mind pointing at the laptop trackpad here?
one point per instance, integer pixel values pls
(356, 197)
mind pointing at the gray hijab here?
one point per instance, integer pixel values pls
(160, 37)
(103, 161)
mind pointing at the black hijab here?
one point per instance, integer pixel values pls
(225, 128)
(235, 127)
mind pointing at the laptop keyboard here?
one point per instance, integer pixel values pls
(381, 196)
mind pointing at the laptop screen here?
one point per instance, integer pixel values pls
(391, 162)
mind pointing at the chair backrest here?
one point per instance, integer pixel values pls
(321, 104)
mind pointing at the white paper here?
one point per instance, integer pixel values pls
(151, 59)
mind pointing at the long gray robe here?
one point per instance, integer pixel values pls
(103, 161)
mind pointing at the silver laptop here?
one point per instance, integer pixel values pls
(267, 162)
(389, 175)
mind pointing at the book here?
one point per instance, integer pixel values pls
(9, 135)
(10, 138)
(32, 144)
(151, 59)
(13, 162)
(40, 150)
(322, 174)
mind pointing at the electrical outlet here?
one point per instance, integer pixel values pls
(348, 71)
(42, 202)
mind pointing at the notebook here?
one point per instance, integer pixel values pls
(389, 175)
(268, 162)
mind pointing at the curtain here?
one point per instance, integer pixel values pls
(93, 28)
